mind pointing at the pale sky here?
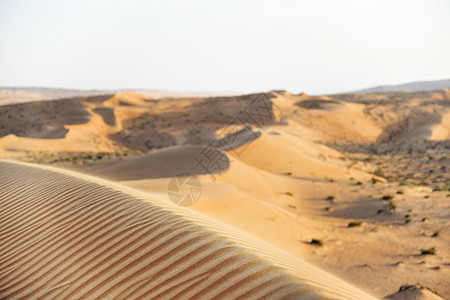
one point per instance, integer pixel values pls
(313, 46)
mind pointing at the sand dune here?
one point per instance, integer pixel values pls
(164, 163)
(414, 292)
(284, 182)
(64, 236)
(138, 122)
(336, 120)
(281, 153)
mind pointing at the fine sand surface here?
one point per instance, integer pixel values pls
(68, 236)
(364, 176)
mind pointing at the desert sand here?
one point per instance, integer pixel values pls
(73, 237)
(315, 188)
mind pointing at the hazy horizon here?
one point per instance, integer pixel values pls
(244, 46)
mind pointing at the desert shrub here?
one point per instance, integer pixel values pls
(387, 197)
(428, 251)
(435, 234)
(331, 198)
(392, 205)
(354, 224)
(316, 242)
(289, 194)
(408, 219)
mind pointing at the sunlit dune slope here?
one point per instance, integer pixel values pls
(69, 236)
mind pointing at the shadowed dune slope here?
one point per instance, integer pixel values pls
(69, 236)
(164, 163)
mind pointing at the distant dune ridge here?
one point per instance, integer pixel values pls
(10, 95)
(68, 236)
(411, 86)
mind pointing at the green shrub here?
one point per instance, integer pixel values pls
(392, 205)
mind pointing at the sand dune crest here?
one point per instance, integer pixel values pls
(66, 237)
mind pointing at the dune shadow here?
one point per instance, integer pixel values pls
(404, 129)
(57, 133)
(259, 110)
(107, 113)
(143, 140)
(362, 209)
(166, 163)
(237, 139)
(316, 103)
(96, 99)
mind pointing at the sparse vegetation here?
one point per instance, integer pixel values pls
(392, 205)
(428, 251)
(316, 242)
(408, 219)
(289, 194)
(331, 198)
(435, 234)
(387, 197)
(354, 224)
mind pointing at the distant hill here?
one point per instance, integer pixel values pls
(412, 86)
(10, 95)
